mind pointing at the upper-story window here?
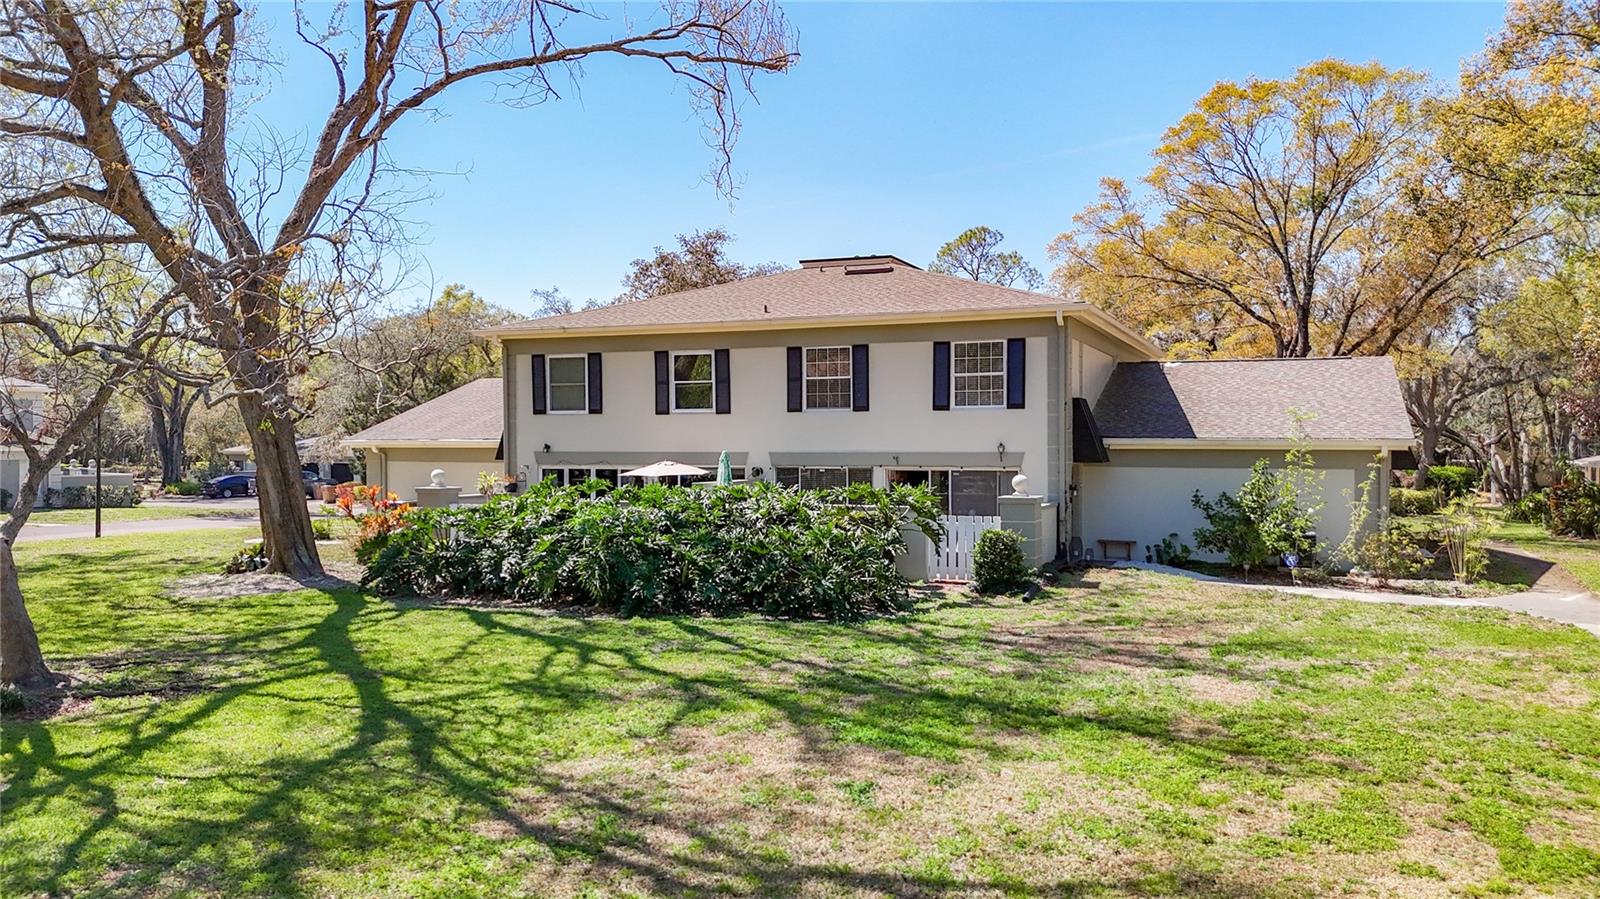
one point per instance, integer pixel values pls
(692, 381)
(828, 377)
(979, 372)
(569, 384)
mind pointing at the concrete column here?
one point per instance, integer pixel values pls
(913, 563)
(437, 495)
(1023, 513)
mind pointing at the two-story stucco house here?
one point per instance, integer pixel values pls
(868, 369)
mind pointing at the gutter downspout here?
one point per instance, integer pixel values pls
(1064, 511)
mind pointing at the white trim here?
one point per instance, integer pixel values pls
(550, 385)
(380, 445)
(672, 381)
(1002, 373)
(1251, 444)
(1105, 320)
(849, 377)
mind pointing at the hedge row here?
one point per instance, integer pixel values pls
(661, 550)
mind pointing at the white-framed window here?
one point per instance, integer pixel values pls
(568, 383)
(813, 477)
(961, 491)
(692, 381)
(978, 373)
(828, 377)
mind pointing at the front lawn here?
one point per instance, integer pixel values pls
(1128, 734)
(1580, 557)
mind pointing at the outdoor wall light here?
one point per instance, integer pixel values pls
(1001, 448)
(547, 447)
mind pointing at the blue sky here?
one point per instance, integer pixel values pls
(903, 124)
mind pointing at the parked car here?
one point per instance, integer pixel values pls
(229, 486)
(314, 483)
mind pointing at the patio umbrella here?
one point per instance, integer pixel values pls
(724, 469)
(666, 468)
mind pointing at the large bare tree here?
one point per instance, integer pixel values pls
(127, 121)
(82, 323)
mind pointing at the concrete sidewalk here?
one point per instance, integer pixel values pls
(1555, 602)
(32, 532)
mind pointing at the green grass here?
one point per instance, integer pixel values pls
(1126, 735)
(141, 512)
(1580, 557)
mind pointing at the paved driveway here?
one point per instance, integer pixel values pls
(32, 532)
(1556, 595)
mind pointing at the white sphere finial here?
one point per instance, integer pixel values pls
(1019, 484)
(437, 477)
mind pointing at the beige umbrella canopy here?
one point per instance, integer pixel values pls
(664, 469)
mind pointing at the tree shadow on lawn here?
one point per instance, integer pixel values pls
(428, 733)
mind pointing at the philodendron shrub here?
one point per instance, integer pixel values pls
(659, 550)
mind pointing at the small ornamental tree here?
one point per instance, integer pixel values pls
(998, 563)
(1266, 518)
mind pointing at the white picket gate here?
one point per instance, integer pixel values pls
(952, 558)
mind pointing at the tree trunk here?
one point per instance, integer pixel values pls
(280, 494)
(21, 662)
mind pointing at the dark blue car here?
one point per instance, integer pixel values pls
(229, 486)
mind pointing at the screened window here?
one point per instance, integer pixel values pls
(979, 370)
(821, 477)
(691, 381)
(569, 384)
(828, 377)
(962, 491)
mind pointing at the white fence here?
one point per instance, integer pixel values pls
(952, 558)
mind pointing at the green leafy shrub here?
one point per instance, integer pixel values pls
(83, 498)
(1531, 509)
(12, 699)
(1263, 520)
(998, 563)
(251, 558)
(1391, 553)
(1173, 551)
(6, 500)
(183, 488)
(658, 550)
(1406, 501)
(1574, 506)
(1454, 481)
(321, 530)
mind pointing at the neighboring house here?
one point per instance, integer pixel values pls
(868, 369)
(1590, 466)
(458, 432)
(22, 401)
(337, 467)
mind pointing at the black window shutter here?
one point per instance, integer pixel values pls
(941, 375)
(539, 392)
(719, 368)
(797, 379)
(663, 384)
(1016, 380)
(595, 392)
(858, 377)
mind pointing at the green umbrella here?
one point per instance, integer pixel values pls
(724, 469)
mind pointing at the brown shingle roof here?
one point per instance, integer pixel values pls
(472, 412)
(882, 286)
(1251, 399)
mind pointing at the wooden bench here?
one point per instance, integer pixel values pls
(1126, 546)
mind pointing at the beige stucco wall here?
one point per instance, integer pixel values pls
(901, 420)
(1144, 495)
(402, 470)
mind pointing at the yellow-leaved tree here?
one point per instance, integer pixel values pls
(1312, 215)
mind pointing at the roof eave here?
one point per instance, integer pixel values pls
(1248, 443)
(359, 442)
(1092, 313)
